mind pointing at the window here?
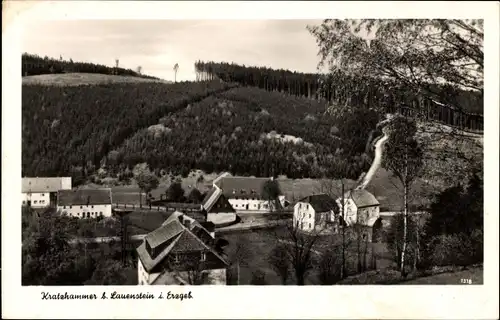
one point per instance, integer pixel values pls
(309, 225)
(309, 216)
(42, 194)
(142, 282)
(176, 258)
(92, 207)
(88, 214)
(100, 213)
(81, 207)
(203, 256)
(70, 207)
(35, 201)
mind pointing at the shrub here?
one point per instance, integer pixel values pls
(455, 249)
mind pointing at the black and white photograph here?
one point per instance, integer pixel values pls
(252, 152)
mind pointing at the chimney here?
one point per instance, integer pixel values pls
(187, 223)
(181, 219)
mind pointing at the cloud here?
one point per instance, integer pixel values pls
(157, 45)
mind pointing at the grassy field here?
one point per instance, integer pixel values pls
(475, 275)
(258, 245)
(76, 79)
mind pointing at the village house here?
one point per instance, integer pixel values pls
(217, 208)
(42, 192)
(245, 193)
(181, 252)
(361, 207)
(318, 212)
(85, 203)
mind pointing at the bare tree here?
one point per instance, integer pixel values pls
(189, 268)
(240, 256)
(330, 265)
(299, 247)
(176, 68)
(280, 263)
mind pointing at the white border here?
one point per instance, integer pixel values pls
(397, 302)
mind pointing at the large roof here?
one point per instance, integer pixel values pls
(83, 197)
(320, 202)
(178, 237)
(245, 187)
(211, 198)
(48, 184)
(362, 198)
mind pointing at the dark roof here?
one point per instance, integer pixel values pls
(242, 186)
(362, 198)
(180, 205)
(179, 237)
(211, 198)
(53, 184)
(320, 202)
(164, 233)
(83, 197)
(208, 225)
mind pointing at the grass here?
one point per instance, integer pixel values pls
(76, 79)
(259, 244)
(475, 274)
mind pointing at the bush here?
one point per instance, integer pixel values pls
(258, 278)
(455, 249)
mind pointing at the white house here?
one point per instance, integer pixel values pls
(180, 252)
(316, 212)
(245, 193)
(217, 208)
(360, 206)
(85, 203)
(42, 192)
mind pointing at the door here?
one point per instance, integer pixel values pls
(246, 206)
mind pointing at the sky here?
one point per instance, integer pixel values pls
(156, 45)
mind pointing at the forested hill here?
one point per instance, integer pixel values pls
(35, 65)
(463, 108)
(209, 125)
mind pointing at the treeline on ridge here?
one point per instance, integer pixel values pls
(464, 108)
(35, 65)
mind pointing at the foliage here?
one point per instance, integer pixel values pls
(258, 278)
(195, 196)
(49, 258)
(112, 272)
(280, 263)
(146, 180)
(330, 264)
(35, 65)
(175, 192)
(453, 249)
(394, 238)
(415, 54)
(403, 155)
(270, 192)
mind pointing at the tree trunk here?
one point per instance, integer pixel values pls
(140, 199)
(417, 247)
(342, 270)
(405, 225)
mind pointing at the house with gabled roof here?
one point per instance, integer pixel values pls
(317, 212)
(361, 207)
(217, 208)
(245, 193)
(85, 203)
(41, 192)
(181, 252)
